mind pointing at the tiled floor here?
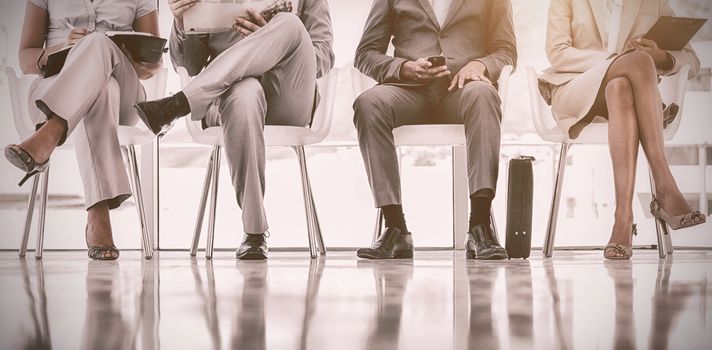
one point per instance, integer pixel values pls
(436, 301)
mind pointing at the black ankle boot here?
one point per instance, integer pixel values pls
(253, 247)
(159, 115)
(392, 244)
(482, 245)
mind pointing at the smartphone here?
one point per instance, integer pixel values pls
(436, 61)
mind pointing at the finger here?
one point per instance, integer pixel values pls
(258, 19)
(461, 81)
(247, 24)
(453, 83)
(242, 30)
(442, 74)
(422, 62)
(436, 70)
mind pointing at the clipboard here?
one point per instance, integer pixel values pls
(674, 33)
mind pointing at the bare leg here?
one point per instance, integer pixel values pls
(41, 144)
(640, 70)
(99, 227)
(623, 145)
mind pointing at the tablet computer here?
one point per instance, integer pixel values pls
(673, 33)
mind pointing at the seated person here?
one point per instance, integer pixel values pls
(89, 98)
(611, 72)
(477, 40)
(261, 73)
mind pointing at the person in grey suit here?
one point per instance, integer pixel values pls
(260, 73)
(477, 40)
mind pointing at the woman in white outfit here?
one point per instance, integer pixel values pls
(91, 95)
(604, 71)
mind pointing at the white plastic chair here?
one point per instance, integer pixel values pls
(672, 89)
(129, 137)
(295, 137)
(430, 134)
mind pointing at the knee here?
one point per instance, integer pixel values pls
(245, 100)
(481, 97)
(290, 23)
(369, 108)
(619, 90)
(641, 65)
(95, 40)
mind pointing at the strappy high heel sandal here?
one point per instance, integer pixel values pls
(24, 161)
(620, 252)
(678, 221)
(100, 253)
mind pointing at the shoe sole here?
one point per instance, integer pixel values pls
(252, 256)
(141, 115)
(396, 255)
(473, 256)
(16, 160)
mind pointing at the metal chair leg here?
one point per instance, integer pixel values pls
(213, 203)
(379, 225)
(201, 208)
(311, 225)
(554, 210)
(661, 230)
(28, 217)
(43, 213)
(135, 182)
(317, 234)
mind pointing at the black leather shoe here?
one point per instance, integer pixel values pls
(159, 115)
(482, 245)
(253, 247)
(392, 244)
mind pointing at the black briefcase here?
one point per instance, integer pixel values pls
(520, 193)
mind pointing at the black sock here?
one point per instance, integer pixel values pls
(480, 210)
(182, 103)
(394, 217)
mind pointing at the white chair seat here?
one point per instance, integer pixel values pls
(131, 135)
(275, 135)
(437, 134)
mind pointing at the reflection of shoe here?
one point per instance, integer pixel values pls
(615, 251)
(392, 244)
(678, 221)
(24, 161)
(253, 247)
(669, 114)
(100, 253)
(159, 115)
(482, 245)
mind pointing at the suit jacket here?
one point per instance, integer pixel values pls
(576, 28)
(473, 30)
(194, 52)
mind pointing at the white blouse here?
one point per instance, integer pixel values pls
(96, 15)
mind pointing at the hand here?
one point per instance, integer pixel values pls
(251, 25)
(75, 35)
(661, 57)
(178, 8)
(420, 71)
(473, 71)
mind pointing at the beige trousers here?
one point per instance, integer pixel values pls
(266, 78)
(94, 93)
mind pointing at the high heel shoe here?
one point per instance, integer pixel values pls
(24, 161)
(100, 253)
(620, 252)
(678, 221)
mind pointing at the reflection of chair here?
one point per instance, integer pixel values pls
(672, 90)
(209, 299)
(316, 269)
(38, 308)
(129, 137)
(295, 137)
(431, 134)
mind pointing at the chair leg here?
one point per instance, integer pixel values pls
(135, 181)
(201, 208)
(213, 203)
(308, 208)
(28, 217)
(43, 213)
(379, 225)
(318, 236)
(554, 210)
(661, 230)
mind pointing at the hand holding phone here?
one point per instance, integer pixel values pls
(436, 61)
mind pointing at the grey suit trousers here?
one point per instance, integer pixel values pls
(94, 93)
(385, 107)
(267, 78)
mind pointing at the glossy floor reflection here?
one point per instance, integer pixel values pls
(437, 301)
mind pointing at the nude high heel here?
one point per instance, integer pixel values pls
(678, 221)
(620, 251)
